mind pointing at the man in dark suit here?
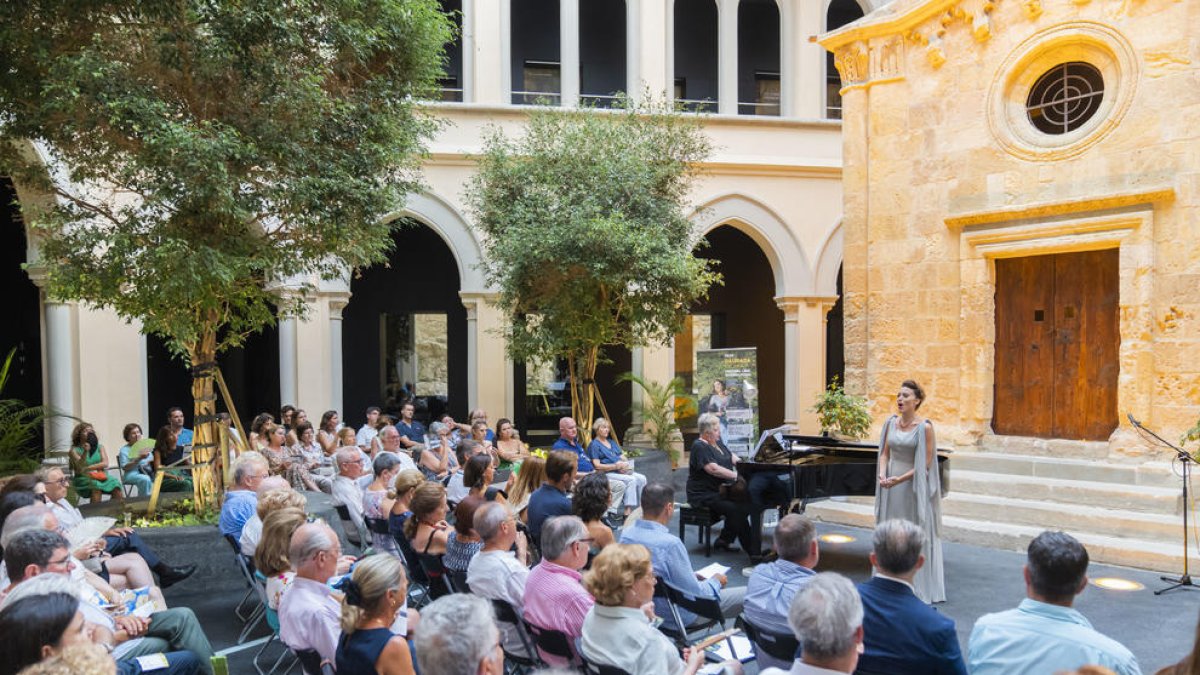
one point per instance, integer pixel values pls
(901, 633)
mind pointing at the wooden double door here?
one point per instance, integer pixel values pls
(1057, 341)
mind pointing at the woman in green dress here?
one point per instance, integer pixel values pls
(89, 461)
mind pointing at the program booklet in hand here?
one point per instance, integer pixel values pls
(707, 572)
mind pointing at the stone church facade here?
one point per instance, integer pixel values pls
(1022, 182)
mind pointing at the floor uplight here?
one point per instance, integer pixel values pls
(836, 538)
(1117, 584)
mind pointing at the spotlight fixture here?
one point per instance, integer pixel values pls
(836, 538)
(1117, 584)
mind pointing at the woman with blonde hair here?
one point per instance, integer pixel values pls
(427, 533)
(271, 555)
(617, 630)
(374, 594)
(529, 478)
(268, 503)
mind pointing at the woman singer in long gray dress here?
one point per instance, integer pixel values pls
(911, 489)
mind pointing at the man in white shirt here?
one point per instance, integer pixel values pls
(308, 615)
(366, 433)
(389, 438)
(495, 573)
(348, 489)
(826, 616)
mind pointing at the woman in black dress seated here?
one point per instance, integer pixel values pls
(711, 475)
(374, 594)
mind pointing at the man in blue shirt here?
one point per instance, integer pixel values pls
(568, 440)
(412, 432)
(241, 502)
(771, 588)
(1044, 634)
(183, 436)
(551, 498)
(670, 558)
(902, 634)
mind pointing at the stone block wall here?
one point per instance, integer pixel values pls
(940, 181)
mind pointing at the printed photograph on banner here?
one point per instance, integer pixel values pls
(726, 384)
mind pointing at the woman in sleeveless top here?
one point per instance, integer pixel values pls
(463, 543)
(374, 598)
(428, 532)
(908, 485)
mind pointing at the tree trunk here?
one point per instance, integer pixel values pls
(583, 391)
(206, 486)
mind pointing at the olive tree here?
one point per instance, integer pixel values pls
(199, 151)
(587, 236)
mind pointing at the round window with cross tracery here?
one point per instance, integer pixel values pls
(1064, 98)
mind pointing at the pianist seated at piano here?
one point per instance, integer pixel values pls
(712, 472)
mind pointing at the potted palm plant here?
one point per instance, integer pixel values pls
(663, 405)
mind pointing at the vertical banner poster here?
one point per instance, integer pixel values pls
(726, 385)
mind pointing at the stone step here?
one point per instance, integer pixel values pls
(1153, 474)
(1044, 447)
(1067, 517)
(1162, 556)
(1142, 498)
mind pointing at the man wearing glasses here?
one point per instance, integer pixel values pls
(241, 503)
(348, 489)
(554, 598)
(495, 573)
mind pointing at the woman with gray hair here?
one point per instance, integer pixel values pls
(712, 477)
(377, 504)
(458, 636)
(437, 459)
(374, 596)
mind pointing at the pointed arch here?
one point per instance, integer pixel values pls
(789, 264)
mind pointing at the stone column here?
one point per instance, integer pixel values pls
(802, 67)
(488, 385)
(804, 355)
(467, 40)
(289, 393)
(487, 48)
(727, 50)
(633, 49)
(58, 364)
(336, 305)
(569, 52)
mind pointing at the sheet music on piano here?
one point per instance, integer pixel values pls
(777, 432)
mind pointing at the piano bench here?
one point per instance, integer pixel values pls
(701, 518)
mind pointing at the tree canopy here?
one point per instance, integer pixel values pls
(587, 236)
(201, 150)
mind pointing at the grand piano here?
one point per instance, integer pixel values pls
(819, 467)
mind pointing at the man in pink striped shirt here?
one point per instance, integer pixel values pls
(554, 597)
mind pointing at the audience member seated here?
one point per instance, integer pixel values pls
(389, 441)
(89, 462)
(481, 434)
(457, 635)
(269, 501)
(427, 532)
(118, 540)
(903, 635)
(438, 460)
(45, 618)
(568, 441)
(463, 542)
(711, 467)
(456, 488)
(617, 630)
(80, 659)
(509, 447)
(377, 500)
(367, 432)
(1045, 634)
(346, 439)
(412, 432)
(271, 555)
(311, 468)
(590, 503)
(771, 588)
(252, 530)
(35, 553)
(309, 616)
(126, 571)
(608, 458)
(478, 474)
(529, 477)
(327, 431)
(374, 596)
(403, 488)
(827, 619)
(168, 451)
(348, 488)
(496, 572)
(670, 557)
(241, 501)
(554, 598)
(551, 498)
(136, 469)
(258, 439)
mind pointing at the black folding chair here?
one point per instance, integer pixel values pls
(245, 565)
(506, 613)
(592, 668)
(353, 535)
(553, 642)
(249, 579)
(707, 611)
(458, 581)
(311, 662)
(783, 647)
(435, 570)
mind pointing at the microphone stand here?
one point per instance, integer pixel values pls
(1185, 579)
